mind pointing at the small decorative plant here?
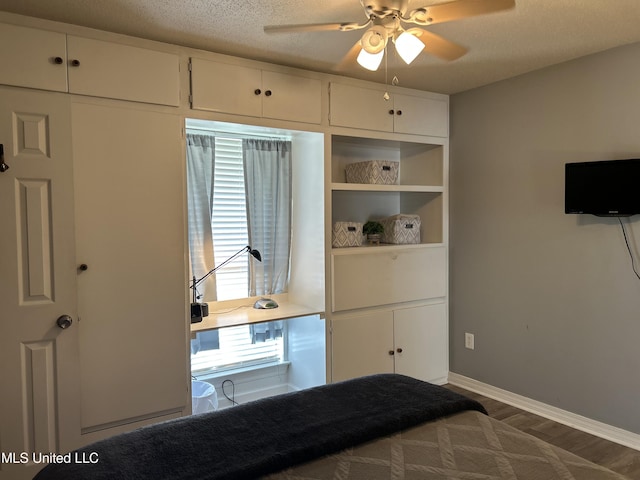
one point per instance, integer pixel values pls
(373, 230)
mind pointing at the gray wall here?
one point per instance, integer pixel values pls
(551, 298)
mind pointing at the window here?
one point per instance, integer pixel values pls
(234, 348)
(245, 345)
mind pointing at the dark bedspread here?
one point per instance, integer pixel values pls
(267, 435)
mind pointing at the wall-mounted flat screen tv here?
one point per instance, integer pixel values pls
(604, 188)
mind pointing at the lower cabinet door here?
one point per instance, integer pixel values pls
(362, 345)
(421, 342)
(411, 341)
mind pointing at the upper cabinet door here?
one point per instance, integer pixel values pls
(360, 108)
(289, 97)
(220, 87)
(111, 70)
(421, 116)
(367, 108)
(33, 58)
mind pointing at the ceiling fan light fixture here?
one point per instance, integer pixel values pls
(370, 61)
(374, 40)
(408, 46)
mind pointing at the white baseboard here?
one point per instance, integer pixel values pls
(599, 429)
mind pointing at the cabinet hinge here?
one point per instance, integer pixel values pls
(190, 65)
(191, 99)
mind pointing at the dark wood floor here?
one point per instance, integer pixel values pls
(618, 458)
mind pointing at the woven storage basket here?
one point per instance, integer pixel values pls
(347, 234)
(401, 229)
(377, 172)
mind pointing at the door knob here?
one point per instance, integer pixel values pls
(64, 321)
(3, 166)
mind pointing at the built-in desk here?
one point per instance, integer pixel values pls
(245, 314)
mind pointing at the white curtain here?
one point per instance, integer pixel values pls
(200, 174)
(267, 169)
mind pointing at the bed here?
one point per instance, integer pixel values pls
(384, 426)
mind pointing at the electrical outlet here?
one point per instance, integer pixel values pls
(469, 341)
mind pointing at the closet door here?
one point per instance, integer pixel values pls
(132, 300)
(39, 400)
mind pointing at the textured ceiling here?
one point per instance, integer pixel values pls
(535, 34)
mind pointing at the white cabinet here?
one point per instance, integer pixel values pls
(239, 90)
(33, 58)
(410, 341)
(67, 63)
(377, 325)
(111, 70)
(370, 277)
(366, 108)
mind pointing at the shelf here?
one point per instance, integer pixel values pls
(366, 187)
(366, 249)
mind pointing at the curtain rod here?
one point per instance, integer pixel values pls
(214, 132)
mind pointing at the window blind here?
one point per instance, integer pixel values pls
(229, 221)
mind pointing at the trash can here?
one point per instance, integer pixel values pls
(203, 397)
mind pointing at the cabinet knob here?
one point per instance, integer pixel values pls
(257, 91)
(391, 112)
(83, 267)
(75, 62)
(267, 93)
(399, 350)
(399, 112)
(391, 352)
(58, 60)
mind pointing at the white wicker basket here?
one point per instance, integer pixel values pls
(379, 172)
(347, 234)
(401, 229)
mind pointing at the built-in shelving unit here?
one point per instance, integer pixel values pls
(419, 191)
(387, 303)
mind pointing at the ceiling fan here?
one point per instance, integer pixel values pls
(392, 20)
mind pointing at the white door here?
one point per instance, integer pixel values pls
(39, 396)
(112, 70)
(219, 87)
(33, 58)
(362, 344)
(360, 108)
(132, 298)
(289, 97)
(421, 342)
(421, 116)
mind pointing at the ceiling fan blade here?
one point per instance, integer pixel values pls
(438, 46)
(350, 57)
(446, 12)
(313, 27)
